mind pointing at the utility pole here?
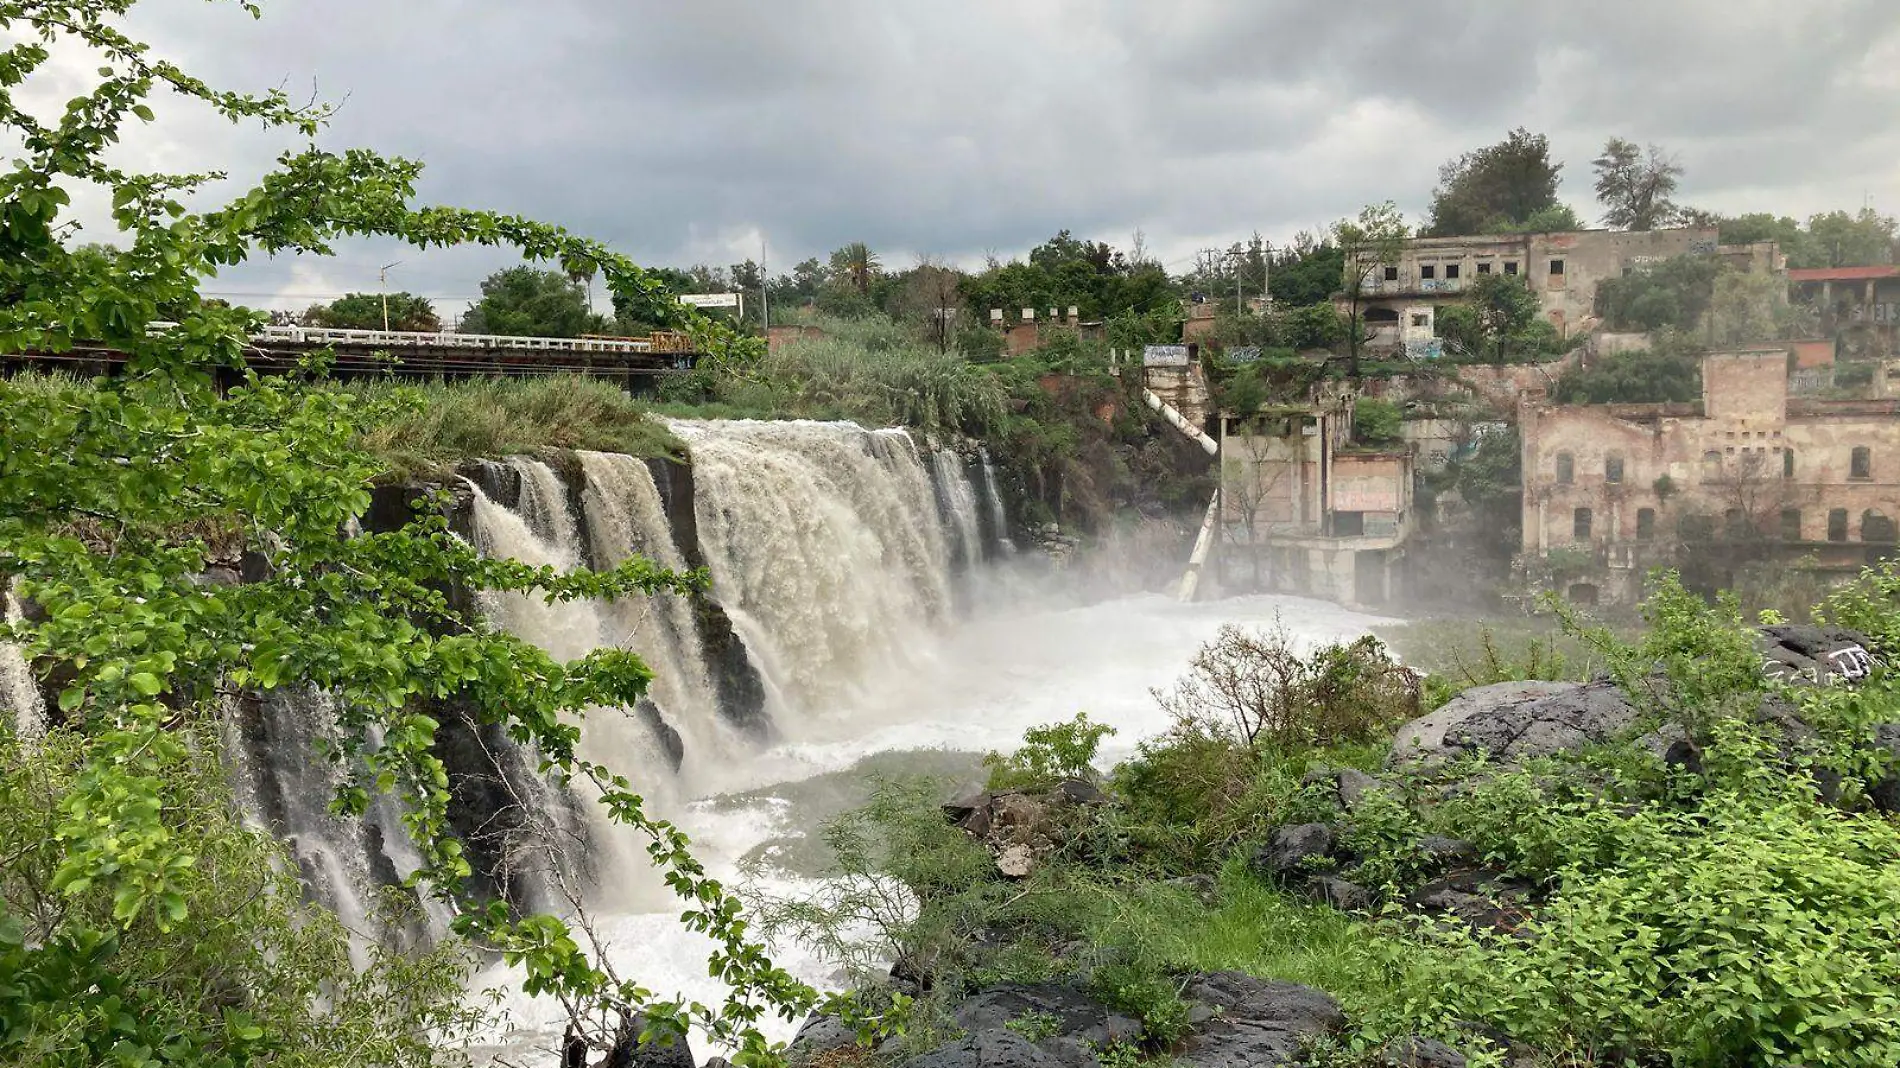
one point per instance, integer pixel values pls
(765, 284)
(382, 278)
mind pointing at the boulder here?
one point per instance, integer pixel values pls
(629, 1052)
(1445, 852)
(1289, 854)
(1069, 1012)
(1415, 1051)
(1347, 785)
(1016, 861)
(1342, 894)
(1801, 652)
(1484, 900)
(1244, 1022)
(1424, 738)
(994, 1048)
(821, 1034)
(1515, 721)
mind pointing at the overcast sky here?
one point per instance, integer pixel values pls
(686, 132)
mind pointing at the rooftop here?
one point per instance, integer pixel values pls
(1842, 274)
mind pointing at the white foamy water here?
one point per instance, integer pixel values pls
(973, 686)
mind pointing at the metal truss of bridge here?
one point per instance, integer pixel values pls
(416, 354)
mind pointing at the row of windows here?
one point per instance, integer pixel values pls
(1860, 465)
(1452, 270)
(1874, 526)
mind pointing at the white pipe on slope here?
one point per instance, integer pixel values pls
(1208, 445)
(1191, 581)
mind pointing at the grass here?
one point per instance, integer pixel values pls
(492, 417)
(1378, 974)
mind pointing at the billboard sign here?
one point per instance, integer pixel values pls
(710, 300)
(1164, 356)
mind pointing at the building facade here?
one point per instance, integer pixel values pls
(1304, 511)
(1399, 301)
(1748, 473)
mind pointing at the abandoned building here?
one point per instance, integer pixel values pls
(1399, 301)
(1749, 473)
(1305, 511)
(1858, 308)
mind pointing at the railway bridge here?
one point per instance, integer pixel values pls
(636, 362)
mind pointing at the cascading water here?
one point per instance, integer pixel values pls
(825, 545)
(998, 518)
(17, 689)
(625, 517)
(282, 747)
(957, 500)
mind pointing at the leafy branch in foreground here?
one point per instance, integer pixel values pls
(115, 497)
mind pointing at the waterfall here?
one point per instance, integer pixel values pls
(998, 518)
(18, 690)
(958, 502)
(825, 545)
(624, 514)
(625, 517)
(283, 749)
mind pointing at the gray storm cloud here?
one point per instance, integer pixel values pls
(681, 133)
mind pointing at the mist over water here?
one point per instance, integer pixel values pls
(880, 602)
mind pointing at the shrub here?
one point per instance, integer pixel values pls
(1377, 422)
(1755, 927)
(1255, 688)
(1049, 754)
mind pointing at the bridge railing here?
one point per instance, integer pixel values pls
(313, 335)
(323, 335)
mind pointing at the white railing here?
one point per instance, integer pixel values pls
(317, 335)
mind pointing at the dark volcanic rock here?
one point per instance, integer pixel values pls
(1347, 785)
(628, 1052)
(821, 1034)
(1485, 900)
(1447, 851)
(1801, 652)
(1287, 854)
(1342, 894)
(1073, 1013)
(994, 1048)
(1517, 720)
(1243, 1022)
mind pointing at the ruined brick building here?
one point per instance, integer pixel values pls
(1399, 301)
(1749, 473)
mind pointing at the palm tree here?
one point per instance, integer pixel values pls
(855, 263)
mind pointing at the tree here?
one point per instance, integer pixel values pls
(1654, 377)
(527, 302)
(365, 311)
(1306, 272)
(1837, 239)
(930, 295)
(1376, 237)
(1633, 189)
(1496, 187)
(1503, 309)
(855, 265)
(1747, 307)
(1673, 294)
(124, 873)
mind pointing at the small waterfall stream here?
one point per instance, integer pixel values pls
(17, 688)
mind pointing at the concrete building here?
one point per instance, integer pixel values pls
(1746, 474)
(1858, 307)
(1399, 301)
(1305, 511)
